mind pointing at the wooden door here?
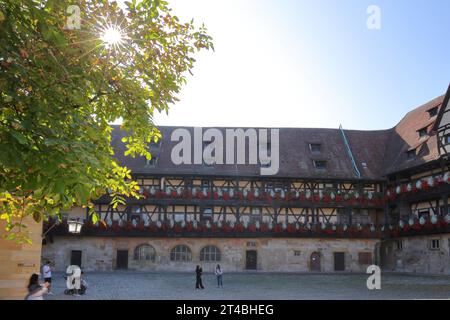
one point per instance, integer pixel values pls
(339, 261)
(122, 259)
(75, 258)
(251, 260)
(315, 262)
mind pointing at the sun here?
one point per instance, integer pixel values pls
(112, 36)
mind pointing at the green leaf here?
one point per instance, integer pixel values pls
(19, 137)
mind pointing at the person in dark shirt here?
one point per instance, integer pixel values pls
(198, 282)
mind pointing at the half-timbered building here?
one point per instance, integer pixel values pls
(340, 200)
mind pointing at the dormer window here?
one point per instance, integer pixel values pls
(433, 112)
(320, 164)
(265, 164)
(422, 132)
(152, 162)
(315, 147)
(447, 139)
(156, 144)
(411, 154)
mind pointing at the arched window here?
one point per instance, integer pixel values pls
(144, 252)
(210, 253)
(181, 253)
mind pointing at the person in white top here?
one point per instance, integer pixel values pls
(219, 273)
(47, 271)
(35, 290)
(73, 282)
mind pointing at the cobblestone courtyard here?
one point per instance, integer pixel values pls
(162, 286)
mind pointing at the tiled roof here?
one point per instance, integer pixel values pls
(376, 153)
(405, 137)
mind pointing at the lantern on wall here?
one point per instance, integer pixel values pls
(434, 219)
(398, 190)
(344, 227)
(446, 177)
(152, 191)
(419, 184)
(422, 221)
(409, 187)
(323, 226)
(257, 225)
(75, 226)
(411, 221)
(447, 218)
(231, 193)
(320, 194)
(308, 194)
(430, 181)
(401, 224)
(256, 193)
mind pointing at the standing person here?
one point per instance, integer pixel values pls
(47, 271)
(219, 273)
(198, 282)
(35, 290)
(83, 284)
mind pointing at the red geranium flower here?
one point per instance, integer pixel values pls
(442, 224)
(226, 227)
(277, 228)
(141, 226)
(416, 226)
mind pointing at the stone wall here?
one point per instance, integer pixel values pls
(273, 254)
(19, 261)
(415, 255)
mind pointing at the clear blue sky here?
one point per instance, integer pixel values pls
(294, 63)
